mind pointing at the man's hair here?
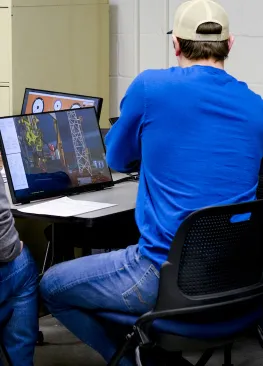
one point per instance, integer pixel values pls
(199, 50)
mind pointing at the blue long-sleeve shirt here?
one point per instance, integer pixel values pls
(198, 133)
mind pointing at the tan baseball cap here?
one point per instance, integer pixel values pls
(191, 14)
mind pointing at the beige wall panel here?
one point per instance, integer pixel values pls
(61, 48)
(5, 3)
(5, 44)
(55, 2)
(4, 101)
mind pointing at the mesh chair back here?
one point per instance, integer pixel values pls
(216, 259)
(260, 183)
(260, 188)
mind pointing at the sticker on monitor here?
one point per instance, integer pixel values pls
(39, 101)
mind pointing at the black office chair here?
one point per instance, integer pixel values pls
(211, 288)
(260, 197)
(260, 182)
(260, 188)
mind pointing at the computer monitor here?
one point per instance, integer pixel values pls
(53, 154)
(38, 101)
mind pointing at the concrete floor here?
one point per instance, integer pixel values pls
(63, 349)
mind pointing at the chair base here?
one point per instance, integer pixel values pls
(165, 357)
(170, 359)
(174, 358)
(228, 355)
(260, 335)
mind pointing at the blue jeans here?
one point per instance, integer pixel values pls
(19, 308)
(122, 281)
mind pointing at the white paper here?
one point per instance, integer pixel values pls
(3, 175)
(65, 207)
(9, 135)
(17, 171)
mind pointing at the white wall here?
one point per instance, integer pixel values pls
(139, 41)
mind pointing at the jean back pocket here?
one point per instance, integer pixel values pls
(142, 297)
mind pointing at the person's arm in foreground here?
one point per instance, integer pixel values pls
(10, 245)
(123, 142)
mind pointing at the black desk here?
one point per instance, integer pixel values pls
(124, 195)
(98, 229)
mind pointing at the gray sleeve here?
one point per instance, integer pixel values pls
(10, 245)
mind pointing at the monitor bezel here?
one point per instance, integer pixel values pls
(51, 194)
(27, 90)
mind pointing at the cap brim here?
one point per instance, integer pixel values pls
(170, 32)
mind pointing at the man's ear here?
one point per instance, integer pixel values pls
(177, 47)
(231, 41)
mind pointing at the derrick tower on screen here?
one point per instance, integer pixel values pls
(79, 143)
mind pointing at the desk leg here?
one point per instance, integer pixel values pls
(61, 248)
(49, 254)
(46, 259)
(62, 251)
(57, 246)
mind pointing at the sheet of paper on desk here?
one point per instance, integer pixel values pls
(64, 207)
(3, 175)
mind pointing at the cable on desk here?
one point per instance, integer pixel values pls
(130, 178)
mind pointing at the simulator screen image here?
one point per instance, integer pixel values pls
(54, 151)
(44, 101)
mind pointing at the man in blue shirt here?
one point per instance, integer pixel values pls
(197, 134)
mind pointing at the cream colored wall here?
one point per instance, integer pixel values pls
(5, 59)
(71, 54)
(4, 99)
(5, 39)
(55, 2)
(5, 3)
(60, 45)
(139, 41)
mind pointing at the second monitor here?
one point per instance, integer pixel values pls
(39, 101)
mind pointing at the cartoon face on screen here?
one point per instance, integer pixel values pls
(38, 105)
(47, 103)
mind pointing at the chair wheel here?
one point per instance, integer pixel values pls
(260, 335)
(40, 339)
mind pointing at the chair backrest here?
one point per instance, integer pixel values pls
(216, 259)
(260, 182)
(260, 187)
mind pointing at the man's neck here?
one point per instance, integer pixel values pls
(212, 63)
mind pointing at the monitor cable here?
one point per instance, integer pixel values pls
(129, 178)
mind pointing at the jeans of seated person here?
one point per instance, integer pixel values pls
(19, 308)
(121, 281)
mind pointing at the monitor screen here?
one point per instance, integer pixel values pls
(53, 154)
(39, 101)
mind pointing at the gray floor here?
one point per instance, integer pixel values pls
(63, 349)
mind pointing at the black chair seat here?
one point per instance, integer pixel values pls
(190, 330)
